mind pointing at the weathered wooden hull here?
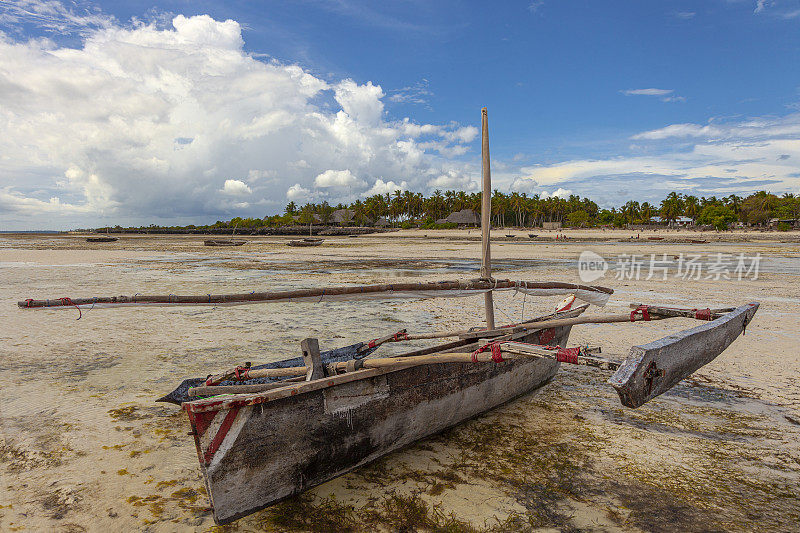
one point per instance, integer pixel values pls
(256, 454)
(654, 368)
(223, 243)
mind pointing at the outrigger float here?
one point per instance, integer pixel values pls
(267, 432)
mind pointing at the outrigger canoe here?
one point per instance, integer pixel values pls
(256, 449)
(264, 433)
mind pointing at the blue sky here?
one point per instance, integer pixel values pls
(612, 100)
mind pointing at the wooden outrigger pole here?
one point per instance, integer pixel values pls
(486, 217)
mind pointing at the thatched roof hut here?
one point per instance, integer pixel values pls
(465, 217)
(342, 216)
(382, 222)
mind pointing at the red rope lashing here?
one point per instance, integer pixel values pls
(497, 355)
(68, 301)
(241, 373)
(400, 336)
(644, 312)
(28, 302)
(702, 314)
(480, 350)
(373, 343)
(568, 355)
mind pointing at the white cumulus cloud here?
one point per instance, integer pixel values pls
(526, 185)
(384, 187)
(148, 124)
(298, 193)
(362, 103)
(558, 193)
(236, 188)
(338, 178)
(453, 179)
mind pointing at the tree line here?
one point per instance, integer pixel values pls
(413, 209)
(518, 209)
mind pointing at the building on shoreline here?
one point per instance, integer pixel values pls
(465, 217)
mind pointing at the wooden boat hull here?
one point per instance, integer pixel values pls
(256, 454)
(223, 243)
(101, 239)
(304, 243)
(653, 368)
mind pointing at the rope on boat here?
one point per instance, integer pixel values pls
(68, 302)
(643, 310)
(497, 354)
(568, 355)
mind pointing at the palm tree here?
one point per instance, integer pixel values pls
(325, 212)
(646, 212)
(461, 202)
(359, 212)
(691, 207)
(630, 211)
(671, 208)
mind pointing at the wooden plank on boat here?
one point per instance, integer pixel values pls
(182, 392)
(654, 368)
(312, 359)
(203, 391)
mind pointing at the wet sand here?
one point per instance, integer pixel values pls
(84, 447)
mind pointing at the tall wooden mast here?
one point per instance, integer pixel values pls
(486, 220)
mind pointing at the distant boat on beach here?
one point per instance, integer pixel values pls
(223, 242)
(101, 239)
(305, 242)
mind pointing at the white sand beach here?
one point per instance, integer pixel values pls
(83, 446)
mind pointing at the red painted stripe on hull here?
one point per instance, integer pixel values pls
(220, 436)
